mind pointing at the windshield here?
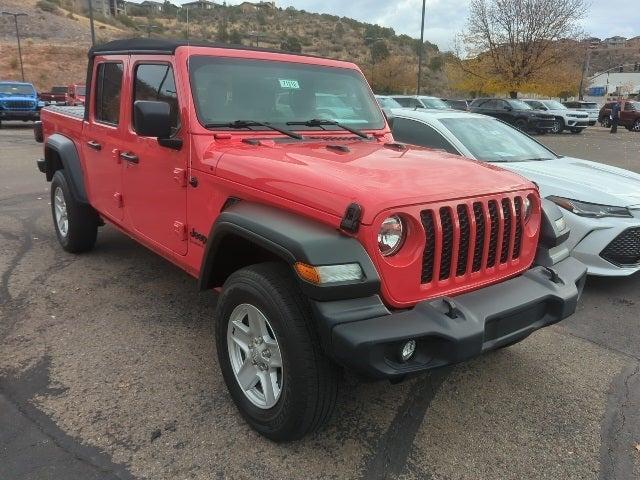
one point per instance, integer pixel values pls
(434, 103)
(519, 105)
(490, 140)
(59, 90)
(230, 89)
(553, 105)
(16, 89)
(387, 102)
(589, 105)
(81, 91)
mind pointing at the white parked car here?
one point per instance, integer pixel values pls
(421, 101)
(566, 119)
(601, 203)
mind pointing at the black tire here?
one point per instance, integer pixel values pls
(82, 219)
(309, 379)
(558, 125)
(577, 130)
(636, 126)
(606, 123)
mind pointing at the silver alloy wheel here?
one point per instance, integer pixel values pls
(255, 356)
(556, 126)
(60, 208)
(636, 126)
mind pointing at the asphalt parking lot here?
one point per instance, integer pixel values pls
(108, 370)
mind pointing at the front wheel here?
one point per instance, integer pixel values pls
(606, 123)
(270, 355)
(521, 124)
(76, 224)
(636, 126)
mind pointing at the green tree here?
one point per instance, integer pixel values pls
(379, 51)
(222, 35)
(235, 37)
(291, 44)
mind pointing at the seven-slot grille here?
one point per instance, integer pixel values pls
(624, 250)
(469, 237)
(18, 104)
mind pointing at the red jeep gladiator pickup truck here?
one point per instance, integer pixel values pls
(332, 245)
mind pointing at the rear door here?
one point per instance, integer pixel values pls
(102, 136)
(155, 176)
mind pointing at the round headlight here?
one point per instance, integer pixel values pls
(391, 235)
(528, 208)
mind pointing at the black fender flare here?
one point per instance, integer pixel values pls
(68, 154)
(292, 238)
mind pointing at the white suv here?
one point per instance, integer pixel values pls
(592, 108)
(566, 119)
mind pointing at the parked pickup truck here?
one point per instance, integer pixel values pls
(19, 101)
(57, 96)
(76, 94)
(332, 245)
(629, 116)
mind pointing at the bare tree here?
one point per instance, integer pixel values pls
(518, 39)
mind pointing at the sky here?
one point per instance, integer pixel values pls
(444, 18)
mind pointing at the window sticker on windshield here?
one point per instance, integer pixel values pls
(289, 84)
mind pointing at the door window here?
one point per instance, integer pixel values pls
(417, 133)
(155, 82)
(108, 89)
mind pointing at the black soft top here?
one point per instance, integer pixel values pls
(168, 47)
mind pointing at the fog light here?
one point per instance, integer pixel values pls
(408, 349)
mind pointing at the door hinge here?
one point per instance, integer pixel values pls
(180, 176)
(118, 199)
(180, 229)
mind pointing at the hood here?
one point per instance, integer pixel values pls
(365, 172)
(582, 180)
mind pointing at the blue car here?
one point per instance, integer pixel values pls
(19, 101)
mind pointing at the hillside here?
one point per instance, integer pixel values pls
(55, 40)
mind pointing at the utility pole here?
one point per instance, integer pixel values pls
(585, 69)
(15, 21)
(93, 31)
(424, 4)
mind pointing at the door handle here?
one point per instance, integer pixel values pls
(94, 145)
(129, 157)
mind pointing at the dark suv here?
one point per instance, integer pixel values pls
(513, 111)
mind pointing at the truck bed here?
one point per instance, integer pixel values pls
(77, 112)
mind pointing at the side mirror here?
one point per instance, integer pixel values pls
(508, 108)
(152, 119)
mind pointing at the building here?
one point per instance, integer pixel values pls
(108, 8)
(615, 42)
(199, 5)
(614, 83)
(155, 7)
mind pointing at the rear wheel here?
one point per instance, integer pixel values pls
(76, 224)
(636, 126)
(605, 122)
(270, 354)
(558, 126)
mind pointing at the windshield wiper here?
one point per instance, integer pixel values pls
(253, 123)
(317, 122)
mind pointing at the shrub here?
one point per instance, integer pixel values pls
(46, 6)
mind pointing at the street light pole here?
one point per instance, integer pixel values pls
(93, 31)
(424, 4)
(15, 20)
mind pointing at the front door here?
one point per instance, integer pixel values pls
(101, 137)
(155, 176)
